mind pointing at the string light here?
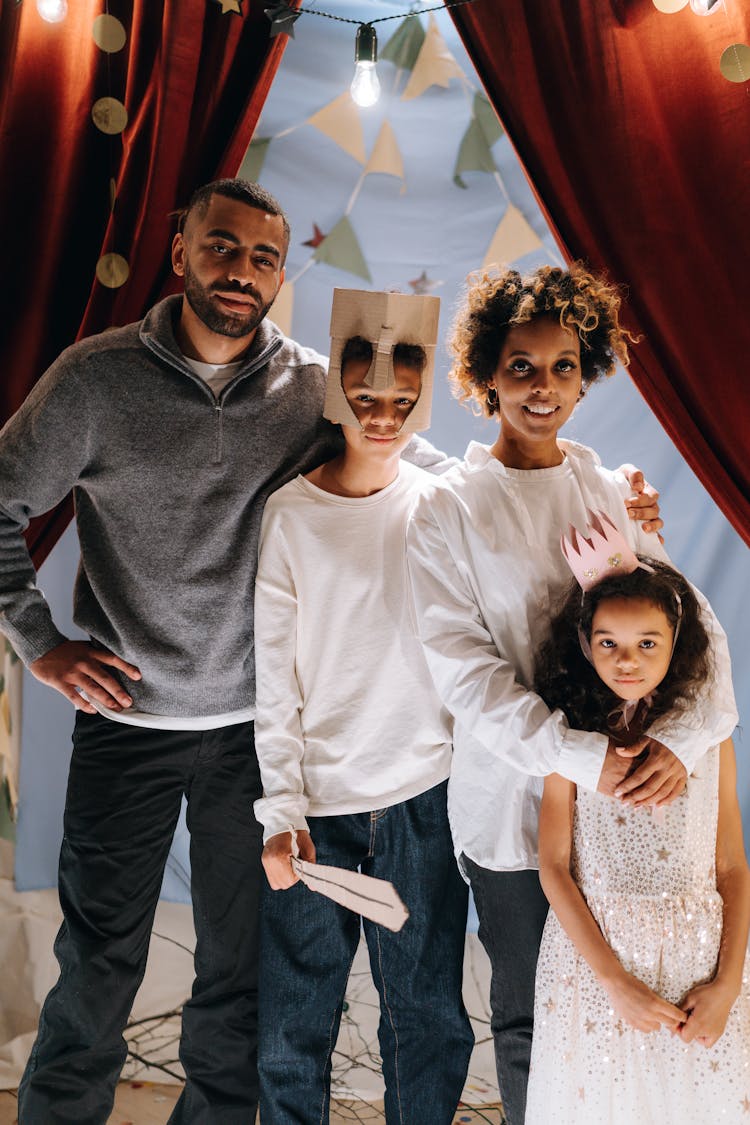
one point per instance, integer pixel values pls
(365, 86)
(53, 11)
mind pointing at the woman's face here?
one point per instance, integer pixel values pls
(631, 645)
(538, 382)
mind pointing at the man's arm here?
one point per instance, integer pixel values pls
(43, 451)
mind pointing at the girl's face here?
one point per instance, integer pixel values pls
(631, 645)
(538, 382)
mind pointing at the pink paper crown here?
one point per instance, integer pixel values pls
(603, 553)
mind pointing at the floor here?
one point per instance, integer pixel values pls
(356, 1084)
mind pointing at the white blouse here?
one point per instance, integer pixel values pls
(487, 573)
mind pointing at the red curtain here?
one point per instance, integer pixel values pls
(639, 151)
(193, 80)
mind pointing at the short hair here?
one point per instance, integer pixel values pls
(564, 678)
(245, 191)
(412, 356)
(494, 303)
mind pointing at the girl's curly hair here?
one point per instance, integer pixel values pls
(494, 303)
(563, 676)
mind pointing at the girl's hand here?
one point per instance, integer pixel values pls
(642, 1008)
(707, 1007)
(277, 856)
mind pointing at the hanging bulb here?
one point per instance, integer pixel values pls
(704, 7)
(365, 86)
(53, 11)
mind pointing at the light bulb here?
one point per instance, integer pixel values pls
(365, 86)
(53, 11)
(704, 7)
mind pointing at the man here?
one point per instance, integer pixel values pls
(171, 433)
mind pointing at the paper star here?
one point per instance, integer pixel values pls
(282, 17)
(423, 284)
(317, 237)
(230, 6)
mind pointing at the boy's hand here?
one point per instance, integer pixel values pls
(643, 505)
(640, 1007)
(78, 664)
(707, 1007)
(277, 856)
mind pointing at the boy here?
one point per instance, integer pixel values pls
(353, 744)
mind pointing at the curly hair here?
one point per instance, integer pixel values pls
(564, 678)
(495, 303)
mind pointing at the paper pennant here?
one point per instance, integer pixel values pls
(435, 65)
(341, 249)
(340, 121)
(483, 130)
(512, 239)
(282, 17)
(485, 114)
(282, 309)
(254, 159)
(386, 155)
(424, 284)
(316, 239)
(402, 49)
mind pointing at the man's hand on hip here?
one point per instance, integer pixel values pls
(75, 665)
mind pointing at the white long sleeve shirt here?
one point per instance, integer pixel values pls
(347, 716)
(487, 574)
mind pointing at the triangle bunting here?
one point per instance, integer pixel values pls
(512, 239)
(340, 121)
(341, 250)
(435, 65)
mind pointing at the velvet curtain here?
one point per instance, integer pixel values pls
(192, 79)
(638, 149)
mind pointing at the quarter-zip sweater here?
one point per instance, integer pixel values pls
(169, 484)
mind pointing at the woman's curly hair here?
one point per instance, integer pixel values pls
(564, 678)
(494, 303)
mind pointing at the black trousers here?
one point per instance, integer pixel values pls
(123, 800)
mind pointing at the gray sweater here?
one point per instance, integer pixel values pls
(169, 485)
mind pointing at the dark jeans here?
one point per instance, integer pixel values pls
(512, 910)
(123, 801)
(307, 948)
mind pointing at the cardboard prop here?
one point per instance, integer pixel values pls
(376, 899)
(385, 319)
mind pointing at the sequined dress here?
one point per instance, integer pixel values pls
(650, 883)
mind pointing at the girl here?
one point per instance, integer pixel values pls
(650, 908)
(485, 564)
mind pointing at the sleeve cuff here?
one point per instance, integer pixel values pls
(582, 757)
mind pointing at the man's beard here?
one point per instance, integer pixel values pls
(224, 324)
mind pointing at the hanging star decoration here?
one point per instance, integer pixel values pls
(423, 284)
(282, 17)
(230, 6)
(317, 237)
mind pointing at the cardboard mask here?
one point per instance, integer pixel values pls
(385, 319)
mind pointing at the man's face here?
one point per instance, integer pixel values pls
(232, 261)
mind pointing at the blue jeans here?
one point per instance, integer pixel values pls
(512, 910)
(308, 944)
(123, 800)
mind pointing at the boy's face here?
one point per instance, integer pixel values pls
(381, 414)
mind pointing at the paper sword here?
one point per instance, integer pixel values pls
(375, 899)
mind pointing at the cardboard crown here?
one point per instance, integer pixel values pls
(604, 552)
(385, 319)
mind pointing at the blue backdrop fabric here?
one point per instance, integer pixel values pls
(432, 227)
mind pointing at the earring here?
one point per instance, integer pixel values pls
(492, 398)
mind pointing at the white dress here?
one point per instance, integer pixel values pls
(650, 883)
